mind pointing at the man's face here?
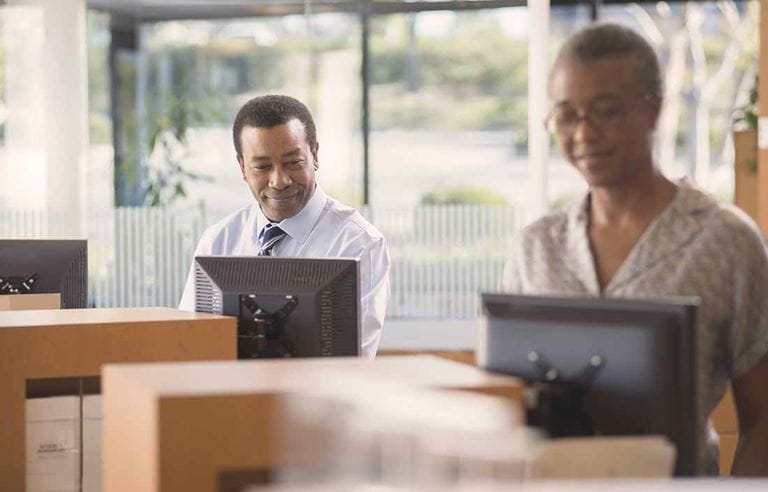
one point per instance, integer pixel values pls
(279, 167)
(602, 119)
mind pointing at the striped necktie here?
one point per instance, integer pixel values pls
(270, 235)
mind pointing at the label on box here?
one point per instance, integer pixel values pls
(53, 444)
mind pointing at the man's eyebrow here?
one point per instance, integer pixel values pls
(603, 97)
(596, 99)
(293, 152)
(290, 153)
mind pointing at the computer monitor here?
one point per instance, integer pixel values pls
(630, 363)
(285, 307)
(45, 266)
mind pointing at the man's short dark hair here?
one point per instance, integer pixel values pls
(607, 40)
(271, 111)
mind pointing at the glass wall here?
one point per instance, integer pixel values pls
(449, 171)
(194, 75)
(448, 99)
(709, 60)
(708, 53)
(101, 169)
(448, 107)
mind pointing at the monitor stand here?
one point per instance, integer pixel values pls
(17, 285)
(260, 332)
(558, 406)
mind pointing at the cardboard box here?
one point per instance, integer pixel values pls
(603, 457)
(37, 345)
(30, 301)
(92, 461)
(53, 444)
(178, 426)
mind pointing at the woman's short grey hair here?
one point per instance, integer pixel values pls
(606, 40)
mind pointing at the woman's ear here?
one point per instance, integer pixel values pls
(656, 104)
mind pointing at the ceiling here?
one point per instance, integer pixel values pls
(158, 10)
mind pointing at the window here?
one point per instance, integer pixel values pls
(22, 108)
(198, 73)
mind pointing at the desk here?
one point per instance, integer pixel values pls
(619, 485)
(29, 301)
(176, 426)
(75, 343)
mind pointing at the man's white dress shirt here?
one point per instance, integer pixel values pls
(324, 228)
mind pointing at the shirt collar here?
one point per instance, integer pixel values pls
(691, 200)
(688, 200)
(300, 225)
(578, 213)
(675, 226)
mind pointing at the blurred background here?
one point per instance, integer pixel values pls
(115, 125)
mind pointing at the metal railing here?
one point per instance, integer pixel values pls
(442, 255)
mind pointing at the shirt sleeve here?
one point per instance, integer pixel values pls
(374, 295)
(748, 335)
(510, 279)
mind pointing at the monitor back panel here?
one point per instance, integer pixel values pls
(62, 267)
(646, 384)
(325, 318)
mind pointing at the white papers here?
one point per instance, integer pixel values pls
(92, 461)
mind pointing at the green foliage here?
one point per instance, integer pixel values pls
(746, 115)
(100, 128)
(167, 183)
(463, 82)
(127, 158)
(168, 122)
(462, 195)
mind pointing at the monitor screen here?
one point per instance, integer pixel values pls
(285, 307)
(45, 266)
(635, 361)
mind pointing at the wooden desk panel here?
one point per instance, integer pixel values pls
(30, 301)
(177, 426)
(77, 342)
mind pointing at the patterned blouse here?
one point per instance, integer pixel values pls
(695, 247)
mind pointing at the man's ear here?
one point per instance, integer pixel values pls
(242, 165)
(314, 155)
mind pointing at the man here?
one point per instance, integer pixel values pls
(277, 151)
(636, 234)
